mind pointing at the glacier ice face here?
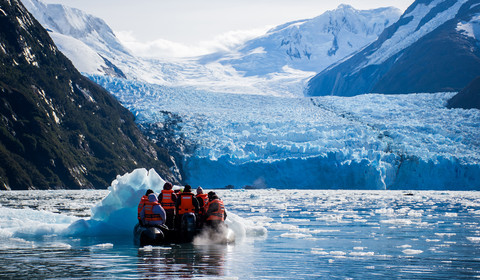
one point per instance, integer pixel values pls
(365, 142)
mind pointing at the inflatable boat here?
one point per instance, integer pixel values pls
(148, 235)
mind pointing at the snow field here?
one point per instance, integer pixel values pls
(366, 142)
(309, 45)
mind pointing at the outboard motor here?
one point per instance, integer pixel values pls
(188, 227)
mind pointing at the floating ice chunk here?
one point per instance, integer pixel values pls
(412, 252)
(318, 251)
(244, 227)
(386, 211)
(338, 253)
(449, 214)
(102, 246)
(296, 235)
(61, 245)
(324, 230)
(29, 222)
(280, 226)
(447, 234)
(475, 239)
(361, 254)
(414, 213)
(116, 214)
(397, 221)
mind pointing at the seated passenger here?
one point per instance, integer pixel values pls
(141, 204)
(215, 212)
(186, 203)
(202, 200)
(153, 213)
(167, 199)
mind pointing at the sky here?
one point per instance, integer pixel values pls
(194, 27)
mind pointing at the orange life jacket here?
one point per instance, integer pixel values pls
(141, 204)
(204, 197)
(219, 214)
(186, 203)
(149, 215)
(167, 201)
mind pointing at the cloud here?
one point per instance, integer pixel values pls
(161, 48)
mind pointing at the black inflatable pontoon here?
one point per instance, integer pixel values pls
(144, 235)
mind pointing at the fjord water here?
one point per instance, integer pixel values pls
(281, 234)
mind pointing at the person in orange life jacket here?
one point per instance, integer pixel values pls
(167, 199)
(202, 203)
(141, 204)
(202, 200)
(215, 211)
(186, 203)
(153, 213)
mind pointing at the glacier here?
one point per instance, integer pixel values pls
(369, 141)
(228, 126)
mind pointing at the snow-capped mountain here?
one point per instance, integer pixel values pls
(312, 44)
(433, 47)
(285, 56)
(87, 40)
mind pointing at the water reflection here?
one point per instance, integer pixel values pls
(182, 261)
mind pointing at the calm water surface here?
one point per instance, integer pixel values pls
(282, 234)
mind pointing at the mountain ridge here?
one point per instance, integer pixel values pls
(279, 73)
(425, 40)
(311, 44)
(58, 129)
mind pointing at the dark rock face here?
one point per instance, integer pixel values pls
(443, 60)
(468, 98)
(57, 128)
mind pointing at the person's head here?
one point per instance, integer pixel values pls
(149, 191)
(187, 188)
(152, 197)
(199, 190)
(212, 195)
(167, 186)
